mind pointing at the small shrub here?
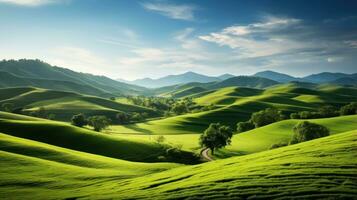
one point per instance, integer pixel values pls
(305, 131)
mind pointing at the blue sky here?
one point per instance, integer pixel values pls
(151, 38)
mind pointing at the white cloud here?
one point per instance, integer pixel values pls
(174, 11)
(258, 39)
(334, 59)
(31, 3)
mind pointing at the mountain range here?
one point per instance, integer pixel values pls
(177, 79)
(35, 73)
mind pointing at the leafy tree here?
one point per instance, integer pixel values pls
(245, 126)
(98, 122)
(328, 111)
(216, 136)
(305, 131)
(122, 118)
(79, 120)
(265, 117)
(349, 109)
(136, 116)
(179, 108)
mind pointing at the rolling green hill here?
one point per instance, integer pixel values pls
(65, 104)
(186, 92)
(39, 74)
(234, 104)
(318, 169)
(81, 139)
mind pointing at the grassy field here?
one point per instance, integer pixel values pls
(249, 142)
(81, 139)
(235, 104)
(65, 104)
(323, 168)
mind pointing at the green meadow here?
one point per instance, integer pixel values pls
(160, 157)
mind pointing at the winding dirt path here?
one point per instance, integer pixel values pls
(205, 155)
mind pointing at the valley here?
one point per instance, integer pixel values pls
(150, 145)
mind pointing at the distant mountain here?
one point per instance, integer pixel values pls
(245, 81)
(176, 79)
(11, 80)
(349, 80)
(279, 77)
(225, 76)
(325, 77)
(41, 74)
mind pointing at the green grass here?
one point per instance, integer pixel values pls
(66, 104)
(261, 139)
(186, 92)
(249, 142)
(235, 104)
(318, 169)
(80, 139)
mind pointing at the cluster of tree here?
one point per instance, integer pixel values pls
(216, 136)
(124, 118)
(156, 103)
(304, 131)
(98, 122)
(169, 106)
(261, 118)
(326, 111)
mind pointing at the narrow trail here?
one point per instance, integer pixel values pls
(205, 155)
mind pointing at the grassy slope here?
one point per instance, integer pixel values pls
(30, 169)
(261, 139)
(65, 104)
(236, 104)
(321, 168)
(184, 92)
(251, 141)
(80, 139)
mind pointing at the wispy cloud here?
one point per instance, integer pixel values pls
(258, 39)
(174, 11)
(30, 3)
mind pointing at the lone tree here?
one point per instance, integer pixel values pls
(79, 120)
(98, 122)
(305, 131)
(216, 136)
